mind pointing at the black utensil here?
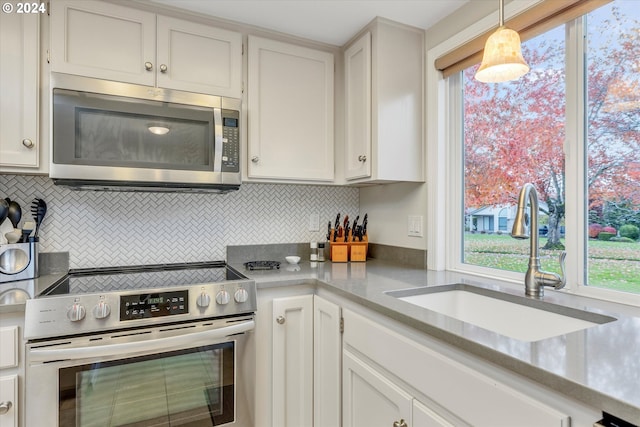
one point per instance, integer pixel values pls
(38, 211)
(335, 228)
(4, 210)
(346, 232)
(364, 225)
(15, 213)
(354, 227)
(329, 232)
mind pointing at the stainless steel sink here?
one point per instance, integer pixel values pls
(517, 317)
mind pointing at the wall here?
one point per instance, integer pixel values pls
(101, 229)
(390, 205)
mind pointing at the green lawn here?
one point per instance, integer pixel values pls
(612, 265)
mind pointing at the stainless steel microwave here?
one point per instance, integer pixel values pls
(118, 136)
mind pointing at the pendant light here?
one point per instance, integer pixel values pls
(502, 59)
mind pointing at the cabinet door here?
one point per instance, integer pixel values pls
(103, 40)
(198, 58)
(9, 399)
(425, 417)
(369, 399)
(293, 361)
(290, 108)
(19, 144)
(357, 62)
(327, 351)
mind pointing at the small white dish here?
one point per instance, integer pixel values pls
(13, 236)
(292, 259)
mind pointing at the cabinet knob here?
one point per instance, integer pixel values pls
(280, 320)
(362, 158)
(148, 66)
(400, 423)
(255, 159)
(28, 143)
(163, 68)
(5, 407)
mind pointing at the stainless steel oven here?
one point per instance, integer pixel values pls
(148, 356)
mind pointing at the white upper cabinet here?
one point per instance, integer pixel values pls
(357, 62)
(19, 71)
(199, 58)
(384, 73)
(290, 112)
(103, 40)
(113, 42)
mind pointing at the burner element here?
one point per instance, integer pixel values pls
(262, 265)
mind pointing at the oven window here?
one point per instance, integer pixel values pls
(192, 388)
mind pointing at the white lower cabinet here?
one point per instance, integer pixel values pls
(458, 392)
(370, 399)
(424, 416)
(327, 350)
(9, 401)
(293, 361)
(298, 354)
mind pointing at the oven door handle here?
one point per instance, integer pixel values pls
(156, 345)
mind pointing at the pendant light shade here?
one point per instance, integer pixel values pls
(502, 59)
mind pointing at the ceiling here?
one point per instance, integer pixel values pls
(329, 21)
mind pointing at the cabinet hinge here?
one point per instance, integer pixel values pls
(342, 325)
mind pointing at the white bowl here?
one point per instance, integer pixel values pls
(292, 259)
(13, 236)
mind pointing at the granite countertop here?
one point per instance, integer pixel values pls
(598, 366)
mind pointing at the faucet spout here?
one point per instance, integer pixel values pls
(535, 279)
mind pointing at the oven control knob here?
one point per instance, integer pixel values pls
(203, 300)
(223, 297)
(101, 310)
(76, 312)
(241, 295)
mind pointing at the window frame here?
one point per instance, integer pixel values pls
(445, 200)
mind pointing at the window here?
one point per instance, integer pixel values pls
(613, 146)
(518, 132)
(514, 134)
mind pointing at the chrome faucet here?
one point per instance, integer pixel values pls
(535, 279)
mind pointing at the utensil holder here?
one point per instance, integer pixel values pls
(18, 261)
(358, 250)
(351, 250)
(339, 250)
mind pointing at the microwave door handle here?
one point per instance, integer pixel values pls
(156, 345)
(217, 149)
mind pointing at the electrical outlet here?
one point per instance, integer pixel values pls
(414, 225)
(314, 222)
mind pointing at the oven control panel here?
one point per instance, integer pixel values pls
(159, 304)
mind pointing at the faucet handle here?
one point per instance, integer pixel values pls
(563, 277)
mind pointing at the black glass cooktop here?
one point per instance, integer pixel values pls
(83, 281)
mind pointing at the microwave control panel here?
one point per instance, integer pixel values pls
(230, 141)
(143, 306)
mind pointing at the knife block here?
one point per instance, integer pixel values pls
(339, 251)
(358, 249)
(352, 250)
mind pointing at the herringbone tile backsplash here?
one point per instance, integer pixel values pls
(103, 229)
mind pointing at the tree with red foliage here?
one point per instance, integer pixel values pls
(514, 132)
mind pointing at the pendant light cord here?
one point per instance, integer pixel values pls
(501, 14)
